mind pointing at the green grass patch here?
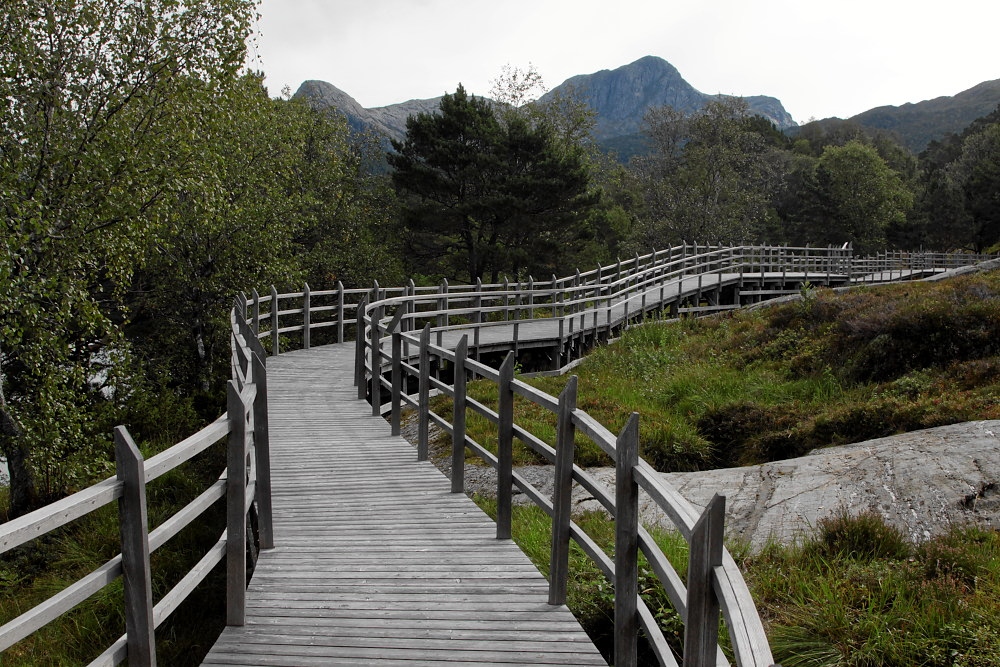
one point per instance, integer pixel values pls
(857, 594)
(755, 386)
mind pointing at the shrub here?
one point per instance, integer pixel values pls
(864, 536)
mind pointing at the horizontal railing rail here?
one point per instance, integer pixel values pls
(686, 279)
(714, 581)
(245, 426)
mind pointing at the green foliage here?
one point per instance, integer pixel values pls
(487, 193)
(711, 176)
(860, 196)
(103, 107)
(144, 181)
(858, 594)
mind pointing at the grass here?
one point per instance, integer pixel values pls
(755, 386)
(857, 594)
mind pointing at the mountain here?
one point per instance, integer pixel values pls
(622, 96)
(390, 120)
(916, 125)
(919, 124)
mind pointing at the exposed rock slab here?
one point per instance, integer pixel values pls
(922, 482)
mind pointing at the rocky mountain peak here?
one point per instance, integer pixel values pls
(621, 97)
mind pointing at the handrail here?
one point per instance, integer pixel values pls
(582, 307)
(747, 635)
(661, 280)
(245, 424)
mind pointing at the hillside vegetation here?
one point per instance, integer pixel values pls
(774, 383)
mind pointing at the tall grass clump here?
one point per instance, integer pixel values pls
(857, 594)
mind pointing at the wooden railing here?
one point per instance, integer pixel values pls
(586, 304)
(585, 300)
(245, 424)
(714, 584)
(714, 581)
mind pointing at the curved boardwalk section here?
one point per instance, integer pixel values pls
(376, 562)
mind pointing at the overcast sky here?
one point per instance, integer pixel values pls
(821, 59)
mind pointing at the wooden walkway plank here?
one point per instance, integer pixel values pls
(376, 562)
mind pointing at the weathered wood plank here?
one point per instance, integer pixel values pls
(375, 561)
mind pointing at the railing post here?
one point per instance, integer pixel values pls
(262, 454)
(576, 293)
(340, 312)
(531, 298)
(306, 305)
(397, 369)
(274, 322)
(359, 347)
(505, 447)
(134, 529)
(423, 416)
(506, 299)
(256, 313)
(478, 304)
(376, 359)
(562, 494)
(458, 420)
(236, 491)
(443, 303)
(627, 545)
(701, 630)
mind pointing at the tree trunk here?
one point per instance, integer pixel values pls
(23, 493)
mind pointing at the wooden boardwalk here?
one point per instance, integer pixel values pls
(376, 562)
(545, 332)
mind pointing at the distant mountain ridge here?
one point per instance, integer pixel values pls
(621, 97)
(390, 120)
(920, 123)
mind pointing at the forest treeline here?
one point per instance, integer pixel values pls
(146, 177)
